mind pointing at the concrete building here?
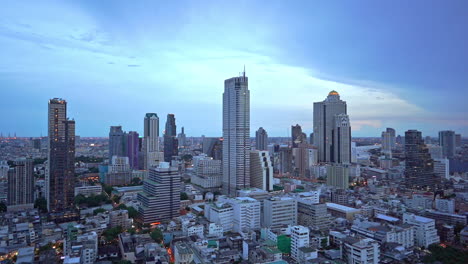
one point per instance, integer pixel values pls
(183, 254)
(236, 135)
(207, 172)
(425, 232)
(445, 205)
(419, 167)
(338, 175)
(120, 218)
(119, 172)
(132, 146)
(88, 190)
(213, 147)
(297, 136)
(312, 214)
(60, 168)
(21, 183)
(261, 139)
(220, 213)
(363, 251)
(150, 140)
(299, 239)
(246, 212)
(279, 211)
(325, 124)
(338, 210)
(401, 234)
(160, 199)
(442, 168)
(448, 144)
(261, 170)
(182, 138)
(342, 139)
(171, 144)
(116, 142)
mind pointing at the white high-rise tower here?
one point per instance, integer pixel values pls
(151, 141)
(236, 133)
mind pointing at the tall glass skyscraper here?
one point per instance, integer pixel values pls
(236, 133)
(170, 138)
(60, 177)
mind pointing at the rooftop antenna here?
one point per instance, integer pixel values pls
(244, 70)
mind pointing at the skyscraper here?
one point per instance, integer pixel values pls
(261, 170)
(61, 157)
(170, 140)
(131, 147)
(297, 136)
(388, 140)
(21, 183)
(116, 142)
(261, 139)
(151, 132)
(325, 123)
(213, 147)
(419, 171)
(447, 142)
(182, 138)
(160, 199)
(342, 139)
(236, 133)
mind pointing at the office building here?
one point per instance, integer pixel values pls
(21, 183)
(60, 171)
(363, 251)
(325, 127)
(118, 172)
(299, 239)
(116, 142)
(385, 233)
(297, 136)
(170, 140)
(236, 135)
(207, 172)
(160, 199)
(419, 171)
(131, 148)
(303, 157)
(246, 212)
(442, 168)
(341, 150)
(448, 143)
(445, 205)
(312, 213)
(261, 139)
(150, 146)
(221, 213)
(182, 138)
(279, 211)
(183, 254)
(338, 175)
(338, 210)
(458, 140)
(425, 232)
(261, 170)
(120, 218)
(213, 147)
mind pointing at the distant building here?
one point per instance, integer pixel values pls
(207, 172)
(21, 183)
(425, 231)
(299, 239)
(182, 138)
(150, 146)
(88, 190)
(364, 251)
(445, 205)
(246, 212)
(116, 142)
(160, 199)
(261, 170)
(236, 135)
(131, 148)
(60, 171)
(419, 171)
(297, 136)
(442, 168)
(183, 254)
(325, 127)
(448, 143)
(261, 139)
(279, 211)
(171, 144)
(338, 175)
(213, 147)
(458, 140)
(342, 211)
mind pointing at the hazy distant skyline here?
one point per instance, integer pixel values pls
(399, 64)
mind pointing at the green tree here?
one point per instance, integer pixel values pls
(183, 196)
(108, 189)
(41, 204)
(111, 234)
(136, 181)
(99, 210)
(157, 235)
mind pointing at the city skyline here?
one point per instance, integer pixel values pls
(97, 62)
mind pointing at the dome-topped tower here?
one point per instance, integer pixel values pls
(333, 93)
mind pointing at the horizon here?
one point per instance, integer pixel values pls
(174, 58)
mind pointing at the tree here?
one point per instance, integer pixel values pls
(41, 204)
(99, 210)
(183, 196)
(3, 207)
(108, 189)
(157, 235)
(136, 181)
(112, 233)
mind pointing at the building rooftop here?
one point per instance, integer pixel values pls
(342, 208)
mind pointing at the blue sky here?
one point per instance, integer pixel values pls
(400, 64)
